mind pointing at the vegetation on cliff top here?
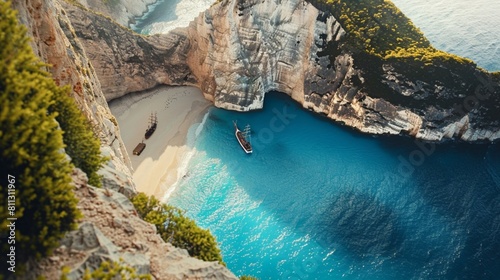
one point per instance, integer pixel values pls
(37, 121)
(378, 34)
(379, 28)
(174, 227)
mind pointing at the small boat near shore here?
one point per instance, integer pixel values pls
(139, 148)
(243, 138)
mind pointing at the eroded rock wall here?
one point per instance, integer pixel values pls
(242, 49)
(55, 42)
(126, 62)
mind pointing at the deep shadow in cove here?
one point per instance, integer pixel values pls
(361, 224)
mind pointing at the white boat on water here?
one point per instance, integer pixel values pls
(243, 138)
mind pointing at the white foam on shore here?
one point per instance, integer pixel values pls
(200, 127)
(182, 171)
(173, 16)
(183, 166)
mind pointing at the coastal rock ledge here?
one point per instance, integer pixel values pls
(111, 230)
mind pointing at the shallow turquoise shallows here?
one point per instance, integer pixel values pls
(320, 201)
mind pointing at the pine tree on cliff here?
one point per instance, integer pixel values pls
(32, 161)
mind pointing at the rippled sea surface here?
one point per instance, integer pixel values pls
(317, 200)
(466, 28)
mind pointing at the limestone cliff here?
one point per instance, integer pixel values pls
(242, 49)
(126, 62)
(55, 41)
(238, 50)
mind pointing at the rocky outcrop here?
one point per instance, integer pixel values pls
(242, 49)
(238, 50)
(126, 62)
(111, 231)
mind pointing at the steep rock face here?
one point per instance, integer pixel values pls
(56, 43)
(111, 231)
(242, 49)
(126, 62)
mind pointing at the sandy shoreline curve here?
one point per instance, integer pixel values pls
(177, 109)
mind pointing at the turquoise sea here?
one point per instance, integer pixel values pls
(320, 201)
(317, 200)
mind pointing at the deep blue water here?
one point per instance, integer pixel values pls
(320, 201)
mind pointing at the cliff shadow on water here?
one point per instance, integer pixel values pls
(361, 224)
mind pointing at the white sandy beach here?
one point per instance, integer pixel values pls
(177, 108)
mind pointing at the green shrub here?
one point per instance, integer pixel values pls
(109, 271)
(379, 28)
(31, 148)
(376, 26)
(174, 227)
(246, 277)
(81, 143)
